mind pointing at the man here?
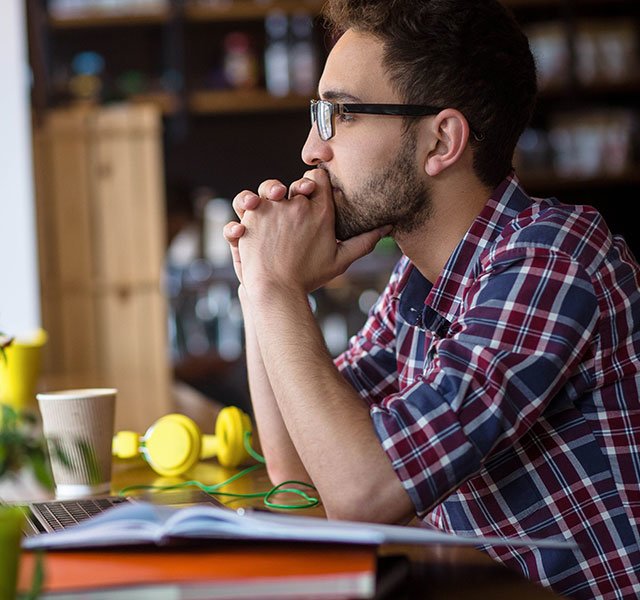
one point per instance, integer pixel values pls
(494, 388)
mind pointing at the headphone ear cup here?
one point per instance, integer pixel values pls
(172, 445)
(231, 426)
(126, 444)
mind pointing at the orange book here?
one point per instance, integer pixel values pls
(261, 571)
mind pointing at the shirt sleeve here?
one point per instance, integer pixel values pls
(524, 324)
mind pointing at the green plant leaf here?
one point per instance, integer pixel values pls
(37, 580)
(21, 445)
(5, 341)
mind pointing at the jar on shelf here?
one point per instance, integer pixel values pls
(240, 63)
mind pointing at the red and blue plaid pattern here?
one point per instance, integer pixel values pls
(507, 393)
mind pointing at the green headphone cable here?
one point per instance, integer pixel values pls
(267, 497)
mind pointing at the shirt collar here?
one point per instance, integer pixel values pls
(444, 298)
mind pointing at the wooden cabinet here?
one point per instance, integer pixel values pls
(100, 207)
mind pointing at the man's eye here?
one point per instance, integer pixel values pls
(345, 118)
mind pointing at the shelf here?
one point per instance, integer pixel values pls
(166, 102)
(242, 10)
(248, 9)
(595, 89)
(243, 101)
(82, 19)
(222, 102)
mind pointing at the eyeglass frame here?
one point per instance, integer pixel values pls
(400, 110)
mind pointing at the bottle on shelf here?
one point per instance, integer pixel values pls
(303, 62)
(276, 56)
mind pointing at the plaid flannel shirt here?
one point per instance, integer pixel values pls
(506, 395)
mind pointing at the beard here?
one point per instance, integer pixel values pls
(397, 196)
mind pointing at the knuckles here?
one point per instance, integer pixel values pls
(232, 231)
(298, 207)
(265, 189)
(243, 201)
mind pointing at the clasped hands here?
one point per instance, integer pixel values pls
(286, 241)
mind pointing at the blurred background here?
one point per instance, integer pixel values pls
(150, 115)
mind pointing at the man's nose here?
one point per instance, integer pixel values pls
(315, 150)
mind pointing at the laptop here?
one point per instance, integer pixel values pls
(55, 515)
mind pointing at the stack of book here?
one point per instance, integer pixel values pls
(243, 573)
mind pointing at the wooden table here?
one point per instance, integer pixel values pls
(405, 572)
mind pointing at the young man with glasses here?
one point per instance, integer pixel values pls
(494, 388)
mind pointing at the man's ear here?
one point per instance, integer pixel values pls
(451, 132)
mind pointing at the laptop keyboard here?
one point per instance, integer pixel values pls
(61, 514)
(56, 515)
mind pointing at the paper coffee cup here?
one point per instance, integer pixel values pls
(79, 427)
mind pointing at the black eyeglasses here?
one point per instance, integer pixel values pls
(323, 113)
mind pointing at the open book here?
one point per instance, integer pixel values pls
(146, 523)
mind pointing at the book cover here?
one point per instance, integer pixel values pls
(256, 572)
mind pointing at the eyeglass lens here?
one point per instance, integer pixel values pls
(322, 116)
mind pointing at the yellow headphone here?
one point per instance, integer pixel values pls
(174, 443)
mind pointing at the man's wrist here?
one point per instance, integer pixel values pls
(265, 292)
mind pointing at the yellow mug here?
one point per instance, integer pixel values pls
(19, 372)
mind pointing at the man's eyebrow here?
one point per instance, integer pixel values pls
(338, 96)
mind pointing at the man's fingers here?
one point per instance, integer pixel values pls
(244, 201)
(304, 187)
(272, 189)
(317, 175)
(356, 247)
(322, 185)
(233, 232)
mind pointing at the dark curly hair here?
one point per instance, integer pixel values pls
(466, 54)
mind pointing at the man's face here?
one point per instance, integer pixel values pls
(371, 160)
